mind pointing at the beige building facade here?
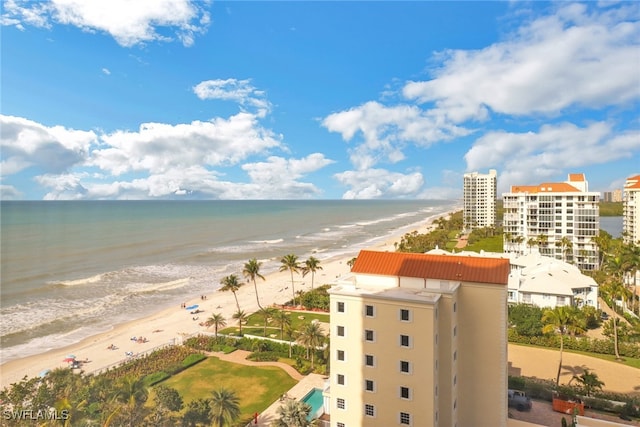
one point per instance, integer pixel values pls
(419, 340)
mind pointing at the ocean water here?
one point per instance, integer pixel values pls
(72, 269)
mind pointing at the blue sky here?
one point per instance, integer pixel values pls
(178, 99)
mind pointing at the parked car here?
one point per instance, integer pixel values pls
(604, 316)
(519, 400)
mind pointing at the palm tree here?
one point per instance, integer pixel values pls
(281, 320)
(290, 262)
(531, 243)
(241, 317)
(293, 413)
(217, 320)
(267, 313)
(589, 381)
(225, 407)
(231, 283)
(311, 337)
(631, 255)
(542, 239)
(132, 393)
(519, 240)
(563, 320)
(311, 266)
(252, 270)
(615, 290)
(566, 245)
(352, 262)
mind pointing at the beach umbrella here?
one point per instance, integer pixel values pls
(191, 307)
(69, 359)
(44, 373)
(71, 356)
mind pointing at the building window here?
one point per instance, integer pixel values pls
(404, 341)
(404, 393)
(368, 310)
(340, 307)
(340, 403)
(404, 315)
(455, 330)
(340, 425)
(340, 379)
(405, 418)
(340, 354)
(405, 366)
(369, 410)
(369, 385)
(340, 331)
(368, 335)
(368, 360)
(455, 355)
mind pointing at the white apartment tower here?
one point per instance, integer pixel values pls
(631, 211)
(480, 192)
(558, 220)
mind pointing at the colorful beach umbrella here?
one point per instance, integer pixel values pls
(72, 356)
(191, 307)
(69, 359)
(44, 373)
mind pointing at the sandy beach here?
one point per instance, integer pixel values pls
(172, 325)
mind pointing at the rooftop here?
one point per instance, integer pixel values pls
(399, 264)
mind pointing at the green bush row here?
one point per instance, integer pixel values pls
(592, 345)
(264, 356)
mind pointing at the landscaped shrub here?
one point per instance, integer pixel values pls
(192, 359)
(155, 378)
(264, 356)
(592, 345)
(516, 383)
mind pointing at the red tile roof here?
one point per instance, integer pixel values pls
(576, 177)
(548, 187)
(632, 182)
(442, 267)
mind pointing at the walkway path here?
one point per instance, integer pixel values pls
(240, 356)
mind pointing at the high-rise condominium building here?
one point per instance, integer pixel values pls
(419, 340)
(479, 195)
(631, 210)
(558, 220)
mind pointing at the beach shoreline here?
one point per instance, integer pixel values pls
(171, 325)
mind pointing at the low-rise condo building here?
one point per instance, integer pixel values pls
(631, 211)
(419, 340)
(549, 282)
(479, 194)
(557, 219)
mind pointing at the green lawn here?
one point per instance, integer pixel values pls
(256, 387)
(255, 323)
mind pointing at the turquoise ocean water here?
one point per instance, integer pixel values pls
(73, 269)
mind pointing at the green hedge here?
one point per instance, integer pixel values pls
(591, 345)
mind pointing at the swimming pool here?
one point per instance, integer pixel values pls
(315, 400)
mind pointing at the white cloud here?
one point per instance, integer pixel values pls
(106, 71)
(240, 91)
(379, 183)
(571, 58)
(159, 148)
(386, 130)
(9, 192)
(25, 143)
(529, 157)
(128, 22)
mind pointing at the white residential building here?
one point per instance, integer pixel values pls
(480, 191)
(558, 220)
(631, 210)
(548, 282)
